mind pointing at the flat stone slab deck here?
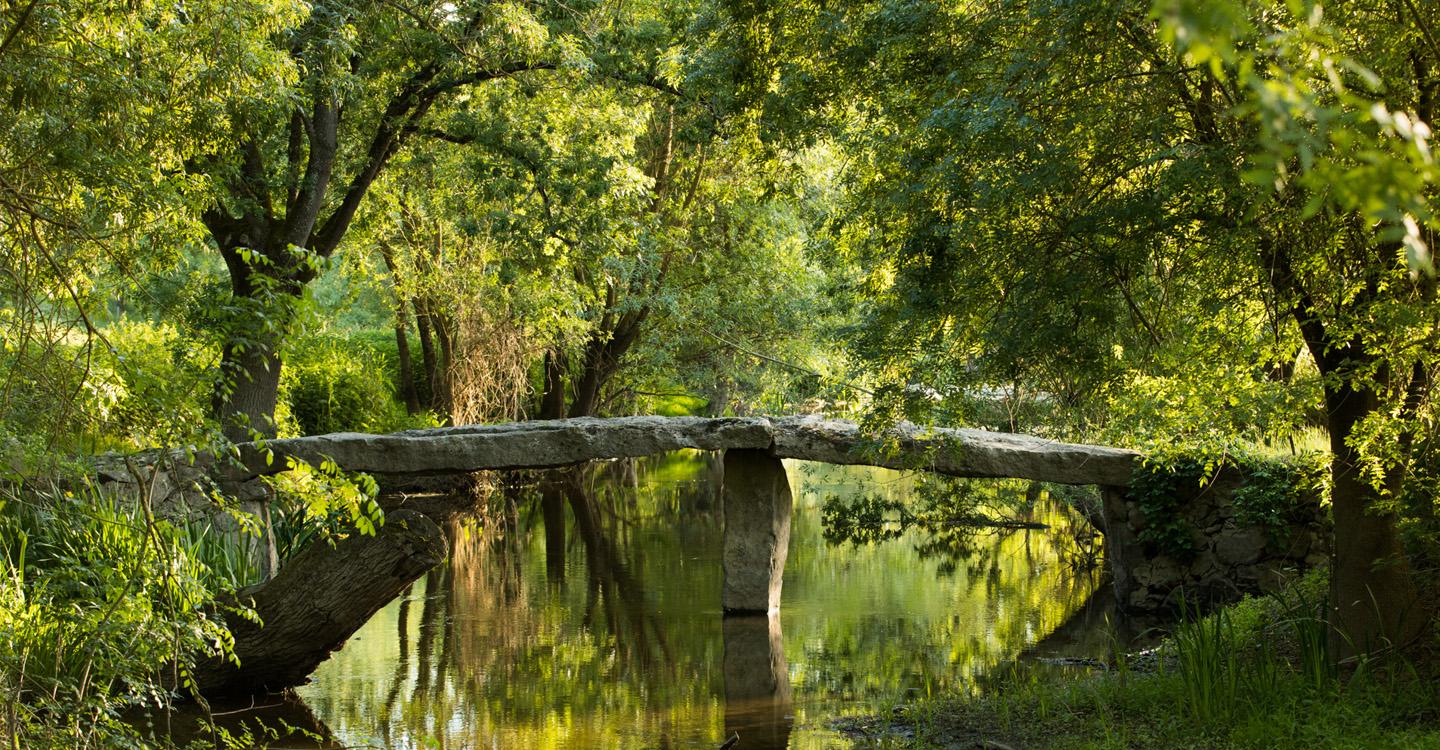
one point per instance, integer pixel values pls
(545, 444)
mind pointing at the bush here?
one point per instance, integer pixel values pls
(158, 385)
(143, 385)
(333, 384)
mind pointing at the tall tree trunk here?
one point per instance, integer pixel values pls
(1373, 600)
(552, 400)
(719, 397)
(427, 351)
(1372, 595)
(402, 351)
(244, 399)
(402, 338)
(444, 329)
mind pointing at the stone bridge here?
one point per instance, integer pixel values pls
(756, 508)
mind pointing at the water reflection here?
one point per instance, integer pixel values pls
(583, 612)
(757, 683)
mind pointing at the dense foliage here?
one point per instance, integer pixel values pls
(1203, 224)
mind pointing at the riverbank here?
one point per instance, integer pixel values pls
(1254, 675)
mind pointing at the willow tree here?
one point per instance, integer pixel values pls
(587, 218)
(1080, 192)
(592, 210)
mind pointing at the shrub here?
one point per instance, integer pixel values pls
(157, 384)
(331, 384)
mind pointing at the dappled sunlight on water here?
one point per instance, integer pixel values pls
(586, 615)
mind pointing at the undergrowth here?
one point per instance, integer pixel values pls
(103, 609)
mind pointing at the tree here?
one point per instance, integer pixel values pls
(305, 156)
(598, 210)
(1057, 193)
(100, 106)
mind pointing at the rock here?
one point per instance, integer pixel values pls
(1240, 546)
(1202, 566)
(1136, 518)
(1161, 572)
(756, 508)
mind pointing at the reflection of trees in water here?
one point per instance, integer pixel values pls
(958, 520)
(613, 589)
(577, 618)
(501, 645)
(1007, 548)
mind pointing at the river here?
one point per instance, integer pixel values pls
(582, 611)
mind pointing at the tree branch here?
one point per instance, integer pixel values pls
(400, 118)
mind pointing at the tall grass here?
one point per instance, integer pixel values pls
(1227, 669)
(1208, 665)
(102, 608)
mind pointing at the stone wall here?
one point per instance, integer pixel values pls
(1229, 558)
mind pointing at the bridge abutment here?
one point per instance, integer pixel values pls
(756, 503)
(1215, 553)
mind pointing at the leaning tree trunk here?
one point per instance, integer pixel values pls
(1372, 595)
(319, 599)
(587, 386)
(603, 353)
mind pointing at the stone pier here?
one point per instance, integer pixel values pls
(756, 507)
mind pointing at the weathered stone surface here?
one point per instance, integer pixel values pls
(756, 508)
(956, 452)
(1240, 546)
(563, 442)
(517, 445)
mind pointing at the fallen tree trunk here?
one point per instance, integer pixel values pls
(317, 601)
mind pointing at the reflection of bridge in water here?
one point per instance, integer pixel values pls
(611, 574)
(756, 491)
(755, 507)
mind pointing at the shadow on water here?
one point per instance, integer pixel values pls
(581, 610)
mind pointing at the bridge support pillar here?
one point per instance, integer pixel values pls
(756, 500)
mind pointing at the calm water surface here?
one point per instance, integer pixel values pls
(586, 615)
